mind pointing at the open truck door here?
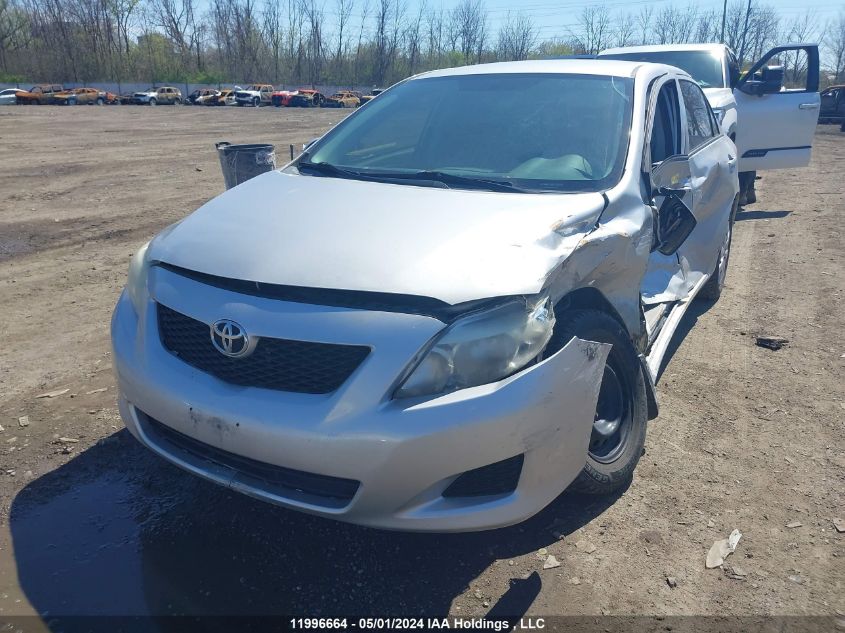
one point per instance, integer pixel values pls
(776, 124)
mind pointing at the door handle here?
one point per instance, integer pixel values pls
(808, 106)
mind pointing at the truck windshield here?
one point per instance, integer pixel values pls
(703, 66)
(530, 132)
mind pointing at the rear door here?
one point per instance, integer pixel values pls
(776, 120)
(715, 183)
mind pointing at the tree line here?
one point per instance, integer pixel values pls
(353, 42)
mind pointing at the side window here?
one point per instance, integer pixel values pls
(699, 120)
(666, 125)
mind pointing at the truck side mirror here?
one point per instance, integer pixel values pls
(768, 80)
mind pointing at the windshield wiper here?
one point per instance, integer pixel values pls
(423, 176)
(327, 168)
(454, 179)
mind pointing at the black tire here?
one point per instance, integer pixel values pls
(153, 102)
(712, 289)
(256, 102)
(613, 452)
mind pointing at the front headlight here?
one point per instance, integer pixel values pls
(482, 348)
(136, 280)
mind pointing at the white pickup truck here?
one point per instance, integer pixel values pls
(772, 126)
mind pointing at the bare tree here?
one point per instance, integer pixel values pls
(644, 21)
(835, 42)
(594, 29)
(343, 12)
(469, 28)
(804, 28)
(625, 30)
(271, 30)
(517, 37)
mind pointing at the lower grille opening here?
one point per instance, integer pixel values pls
(494, 479)
(322, 490)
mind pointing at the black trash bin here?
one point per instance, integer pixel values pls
(242, 162)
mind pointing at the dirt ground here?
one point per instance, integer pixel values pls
(91, 523)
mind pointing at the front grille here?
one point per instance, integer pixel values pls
(324, 490)
(494, 479)
(280, 364)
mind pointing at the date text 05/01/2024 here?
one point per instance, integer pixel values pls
(423, 624)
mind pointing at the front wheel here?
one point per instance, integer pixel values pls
(101, 101)
(153, 102)
(618, 433)
(256, 102)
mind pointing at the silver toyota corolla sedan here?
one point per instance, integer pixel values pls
(449, 309)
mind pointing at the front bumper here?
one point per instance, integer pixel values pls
(403, 453)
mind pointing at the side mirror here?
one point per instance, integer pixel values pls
(305, 146)
(673, 174)
(672, 180)
(768, 80)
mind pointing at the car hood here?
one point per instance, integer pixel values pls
(320, 232)
(719, 97)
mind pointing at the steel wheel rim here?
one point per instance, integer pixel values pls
(612, 419)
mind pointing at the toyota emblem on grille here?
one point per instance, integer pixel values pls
(230, 338)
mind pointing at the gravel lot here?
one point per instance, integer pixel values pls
(747, 438)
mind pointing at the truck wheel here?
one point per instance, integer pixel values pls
(619, 427)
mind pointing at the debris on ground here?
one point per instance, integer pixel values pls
(773, 343)
(796, 578)
(794, 524)
(722, 548)
(551, 562)
(93, 391)
(839, 524)
(66, 440)
(575, 580)
(541, 553)
(585, 546)
(53, 394)
(1, 428)
(735, 572)
(23, 420)
(672, 581)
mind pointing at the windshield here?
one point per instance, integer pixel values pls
(535, 132)
(703, 66)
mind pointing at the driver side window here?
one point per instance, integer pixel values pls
(666, 125)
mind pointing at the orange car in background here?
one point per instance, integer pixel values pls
(40, 94)
(84, 96)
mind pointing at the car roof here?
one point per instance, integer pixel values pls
(658, 48)
(607, 67)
